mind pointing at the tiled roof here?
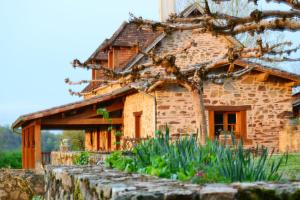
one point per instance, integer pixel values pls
(271, 70)
(128, 34)
(102, 56)
(131, 35)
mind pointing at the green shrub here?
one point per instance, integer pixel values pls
(82, 158)
(11, 159)
(187, 160)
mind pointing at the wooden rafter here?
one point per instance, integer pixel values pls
(262, 76)
(94, 121)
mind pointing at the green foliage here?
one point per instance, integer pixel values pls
(82, 158)
(11, 159)
(77, 139)
(37, 198)
(50, 141)
(105, 114)
(9, 139)
(118, 161)
(187, 160)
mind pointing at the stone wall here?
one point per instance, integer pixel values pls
(208, 47)
(144, 103)
(270, 100)
(20, 184)
(99, 183)
(289, 139)
(67, 158)
(270, 105)
(175, 107)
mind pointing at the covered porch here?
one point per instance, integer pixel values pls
(81, 115)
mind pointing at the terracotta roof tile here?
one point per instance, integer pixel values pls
(131, 35)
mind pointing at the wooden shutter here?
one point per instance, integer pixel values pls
(243, 126)
(211, 121)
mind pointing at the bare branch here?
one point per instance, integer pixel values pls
(292, 3)
(69, 82)
(283, 59)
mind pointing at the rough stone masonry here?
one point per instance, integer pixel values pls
(20, 184)
(95, 182)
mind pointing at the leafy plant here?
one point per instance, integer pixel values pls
(82, 158)
(105, 114)
(11, 159)
(185, 159)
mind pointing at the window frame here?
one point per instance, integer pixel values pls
(241, 119)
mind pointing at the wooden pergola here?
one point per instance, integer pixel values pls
(80, 115)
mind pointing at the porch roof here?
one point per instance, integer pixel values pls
(73, 106)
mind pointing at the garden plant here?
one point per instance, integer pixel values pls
(186, 160)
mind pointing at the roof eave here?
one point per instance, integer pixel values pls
(67, 107)
(273, 71)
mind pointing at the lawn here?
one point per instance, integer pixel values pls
(292, 169)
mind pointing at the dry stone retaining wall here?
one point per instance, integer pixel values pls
(67, 158)
(95, 182)
(20, 184)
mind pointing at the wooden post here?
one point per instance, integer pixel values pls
(31, 147)
(23, 148)
(37, 141)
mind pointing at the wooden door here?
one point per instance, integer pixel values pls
(137, 116)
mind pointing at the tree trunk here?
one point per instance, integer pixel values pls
(203, 124)
(200, 110)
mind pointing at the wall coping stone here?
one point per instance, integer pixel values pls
(96, 182)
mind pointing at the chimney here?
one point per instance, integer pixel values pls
(166, 8)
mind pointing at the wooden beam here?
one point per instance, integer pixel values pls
(262, 77)
(94, 121)
(290, 84)
(228, 108)
(115, 107)
(93, 112)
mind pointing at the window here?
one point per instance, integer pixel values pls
(226, 121)
(229, 119)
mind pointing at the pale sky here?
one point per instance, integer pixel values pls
(39, 39)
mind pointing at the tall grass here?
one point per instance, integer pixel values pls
(186, 159)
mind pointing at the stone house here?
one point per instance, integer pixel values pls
(255, 106)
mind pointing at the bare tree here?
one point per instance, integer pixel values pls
(217, 23)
